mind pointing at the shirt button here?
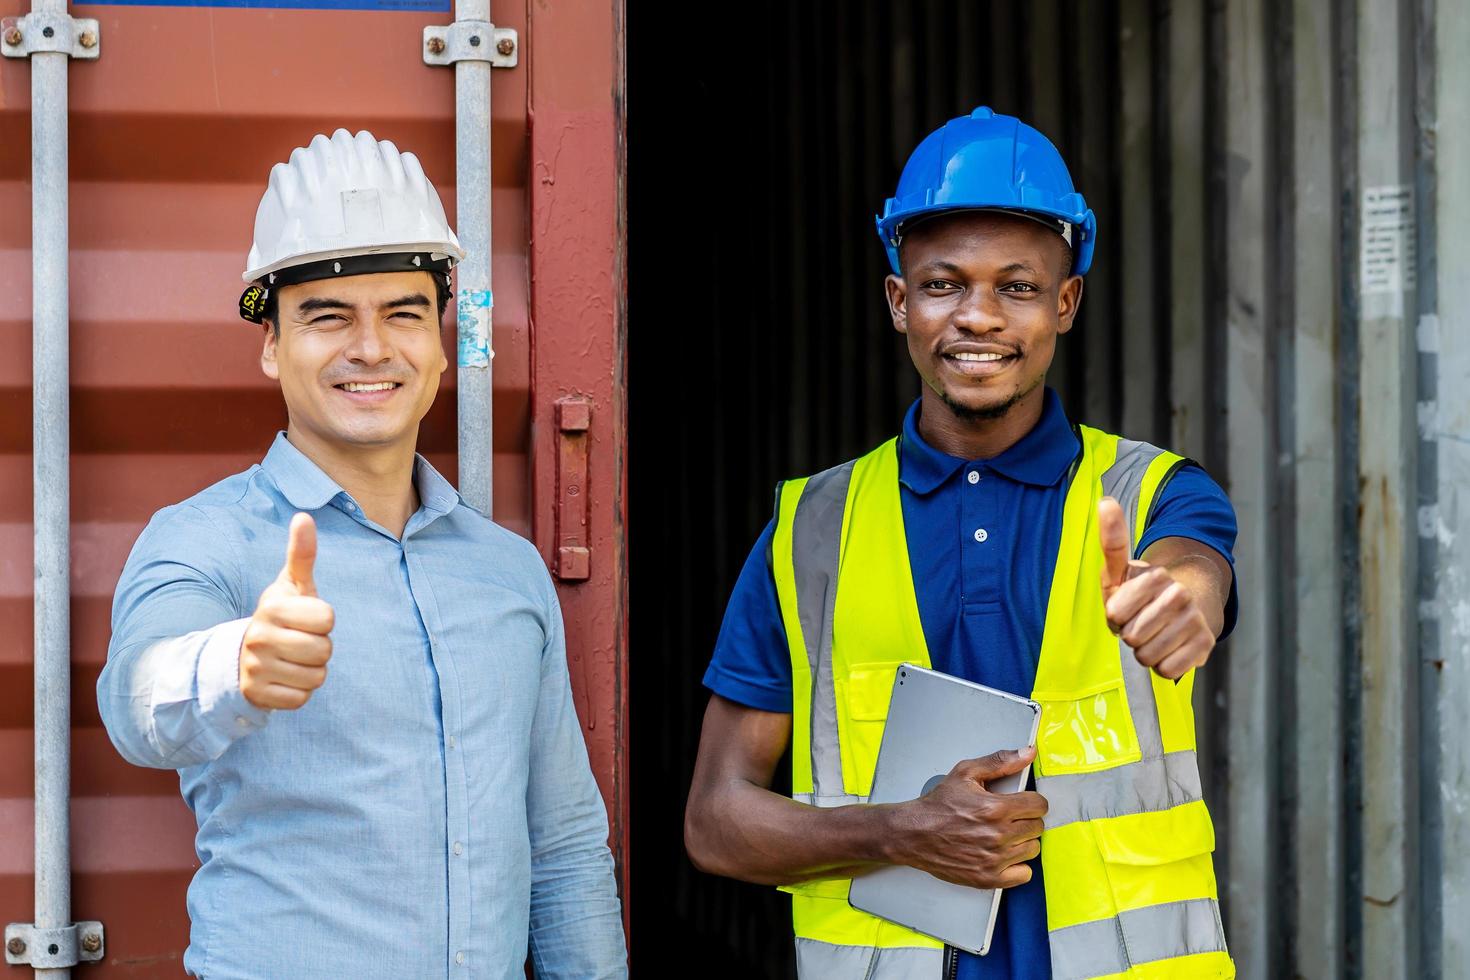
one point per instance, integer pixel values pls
(459, 957)
(458, 848)
(981, 534)
(242, 721)
(974, 478)
(450, 740)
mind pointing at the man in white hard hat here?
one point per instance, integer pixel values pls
(361, 680)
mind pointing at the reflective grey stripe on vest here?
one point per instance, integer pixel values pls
(1157, 781)
(841, 799)
(816, 960)
(1158, 932)
(816, 540)
(1139, 787)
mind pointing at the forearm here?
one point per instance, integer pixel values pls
(576, 918)
(741, 830)
(1201, 578)
(173, 703)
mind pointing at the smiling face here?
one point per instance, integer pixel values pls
(359, 358)
(981, 301)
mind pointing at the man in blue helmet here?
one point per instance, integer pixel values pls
(997, 542)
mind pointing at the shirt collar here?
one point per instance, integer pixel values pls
(308, 488)
(1040, 458)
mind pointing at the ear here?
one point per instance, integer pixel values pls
(898, 295)
(1069, 300)
(268, 365)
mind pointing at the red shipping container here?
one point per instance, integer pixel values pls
(173, 131)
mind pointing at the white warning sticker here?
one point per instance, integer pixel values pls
(1388, 259)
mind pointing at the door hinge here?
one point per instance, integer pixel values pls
(573, 435)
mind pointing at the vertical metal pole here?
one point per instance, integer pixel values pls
(50, 453)
(472, 191)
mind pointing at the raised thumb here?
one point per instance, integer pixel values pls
(1112, 531)
(301, 554)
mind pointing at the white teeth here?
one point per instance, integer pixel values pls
(380, 386)
(965, 355)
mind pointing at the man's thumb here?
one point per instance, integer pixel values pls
(997, 764)
(1113, 532)
(301, 554)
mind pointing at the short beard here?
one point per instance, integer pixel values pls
(990, 412)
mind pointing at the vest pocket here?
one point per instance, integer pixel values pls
(1161, 873)
(863, 696)
(1085, 731)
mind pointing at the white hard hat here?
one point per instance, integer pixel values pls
(345, 197)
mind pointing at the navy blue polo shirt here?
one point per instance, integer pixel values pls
(982, 539)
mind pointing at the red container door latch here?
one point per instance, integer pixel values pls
(573, 425)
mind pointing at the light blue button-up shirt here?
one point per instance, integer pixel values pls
(430, 812)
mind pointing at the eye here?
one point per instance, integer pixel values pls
(1020, 287)
(328, 318)
(408, 313)
(940, 286)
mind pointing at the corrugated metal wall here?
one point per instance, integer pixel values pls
(173, 133)
(1242, 158)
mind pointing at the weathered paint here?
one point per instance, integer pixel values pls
(173, 132)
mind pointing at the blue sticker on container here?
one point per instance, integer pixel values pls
(438, 6)
(474, 327)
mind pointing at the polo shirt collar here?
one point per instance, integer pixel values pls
(1040, 458)
(308, 488)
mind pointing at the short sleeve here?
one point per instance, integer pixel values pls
(1192, 505)
(752, 663)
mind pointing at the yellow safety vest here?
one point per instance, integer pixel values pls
(1126, 850)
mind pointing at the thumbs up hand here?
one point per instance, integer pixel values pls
(284, 655)
(1147, 606)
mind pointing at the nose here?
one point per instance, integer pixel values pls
(368, 345)
(979, 312)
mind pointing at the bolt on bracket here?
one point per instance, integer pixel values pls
(471, 40)
(54, 949)
(76, 37)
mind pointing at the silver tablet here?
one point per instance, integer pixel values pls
(934, 722)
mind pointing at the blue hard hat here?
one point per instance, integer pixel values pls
(989, 162)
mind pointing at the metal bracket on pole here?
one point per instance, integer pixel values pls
(53, 949)
(44, 30)
(471, 40)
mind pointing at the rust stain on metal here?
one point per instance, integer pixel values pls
(16, 946)
(436, 45)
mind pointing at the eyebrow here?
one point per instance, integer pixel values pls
(1018, 267)
(412, 299)
(942, 265)
(329, 303)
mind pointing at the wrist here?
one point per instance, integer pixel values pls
(886, 832)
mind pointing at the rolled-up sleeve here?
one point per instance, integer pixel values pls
(170, 693)
(576, 918)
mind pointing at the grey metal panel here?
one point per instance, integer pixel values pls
(1315, 637)
(1188, 69)
(1386, 516)
(1443, 338)
(1137, 223)
(1247, 662)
